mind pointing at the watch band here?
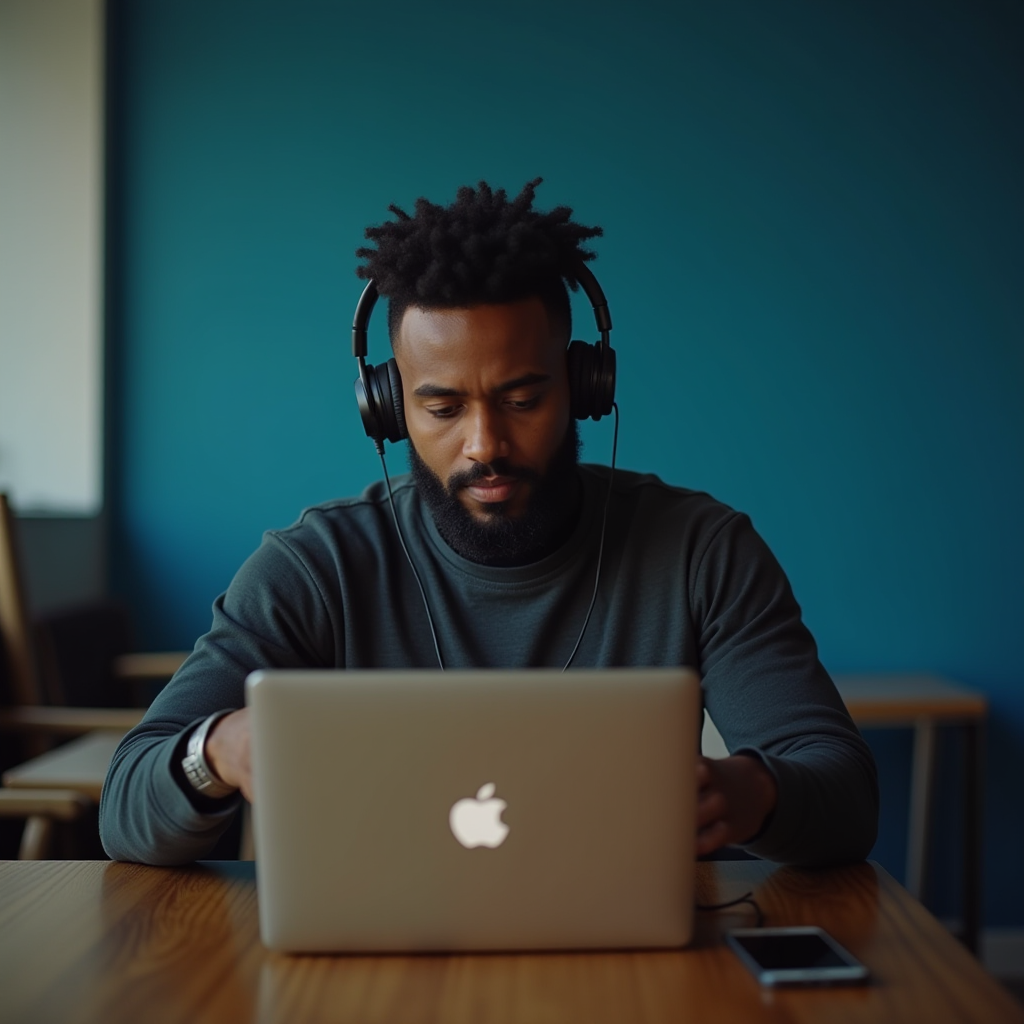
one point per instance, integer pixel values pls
(197, 769)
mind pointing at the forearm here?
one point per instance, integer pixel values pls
(735, 800)
(146, 814)
(826, 810)
(148, 811)
(273, 615)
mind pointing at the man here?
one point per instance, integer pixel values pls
(507, 534)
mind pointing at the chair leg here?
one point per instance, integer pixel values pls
(922, 801)
(35, 840)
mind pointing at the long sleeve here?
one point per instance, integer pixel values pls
(272, 615)
(686, 581)
(768, 694)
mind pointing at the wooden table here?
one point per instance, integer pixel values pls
(927, 703)
(80, 765)
(95, 941)
(77, 768)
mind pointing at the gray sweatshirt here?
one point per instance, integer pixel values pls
(685, 580)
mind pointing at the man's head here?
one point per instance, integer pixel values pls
(481, 249)
(479, 321)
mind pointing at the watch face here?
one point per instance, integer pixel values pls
(193, 770)
(194, 765)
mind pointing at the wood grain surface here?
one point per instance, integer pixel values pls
(94, 941)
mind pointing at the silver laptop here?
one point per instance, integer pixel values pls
(474, 810)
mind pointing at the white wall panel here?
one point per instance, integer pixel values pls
(51, 218)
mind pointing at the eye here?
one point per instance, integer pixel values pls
(444, 412)
(522, 404)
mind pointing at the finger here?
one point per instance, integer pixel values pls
(712, 838)
(711, 806)
(246, 785)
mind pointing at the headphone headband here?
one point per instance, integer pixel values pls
(379, 389)
(361, 320)
(585, 276)
(595, 293)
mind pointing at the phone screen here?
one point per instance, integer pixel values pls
(794, 956)
(789, 952)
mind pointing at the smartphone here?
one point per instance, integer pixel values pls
(795, 956)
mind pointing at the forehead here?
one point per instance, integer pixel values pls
(515, 334)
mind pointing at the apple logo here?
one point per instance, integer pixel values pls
(477, 822)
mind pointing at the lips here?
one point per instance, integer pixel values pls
(490, 490)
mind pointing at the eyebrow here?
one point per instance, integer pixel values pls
(438, 391)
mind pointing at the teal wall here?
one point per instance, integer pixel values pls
(814, 254)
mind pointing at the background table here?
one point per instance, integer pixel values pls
(80, 765)
(926, 703)
(94, 941)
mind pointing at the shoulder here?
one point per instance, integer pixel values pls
(345, 519)
(708, 539)
(352, 532)
(646, 498)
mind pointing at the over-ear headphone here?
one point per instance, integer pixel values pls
(379, 388)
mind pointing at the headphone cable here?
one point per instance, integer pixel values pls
(412, 564)
(600, 547)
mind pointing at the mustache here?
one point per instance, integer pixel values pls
(499, 467)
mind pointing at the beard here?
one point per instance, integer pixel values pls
(501, 539)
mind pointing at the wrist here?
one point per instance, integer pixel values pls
(770, 797)
(765, 793)
(199, 771)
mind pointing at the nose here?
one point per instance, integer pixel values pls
(485, 438)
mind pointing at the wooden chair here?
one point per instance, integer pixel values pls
(78, 766)
(40, 808)
(27, 714)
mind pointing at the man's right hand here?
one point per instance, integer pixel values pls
(228, 751)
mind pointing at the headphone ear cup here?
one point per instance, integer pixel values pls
(386, 386)
(579, 394)
(397, 406)
(591, 380)
(367, 407)
(604, 382)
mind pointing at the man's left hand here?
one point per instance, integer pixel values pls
(735, 795)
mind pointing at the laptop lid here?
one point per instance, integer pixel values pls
(474, 810)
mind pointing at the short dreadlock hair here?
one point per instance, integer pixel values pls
(480, 249)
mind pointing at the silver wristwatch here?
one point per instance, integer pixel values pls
(197, 770)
